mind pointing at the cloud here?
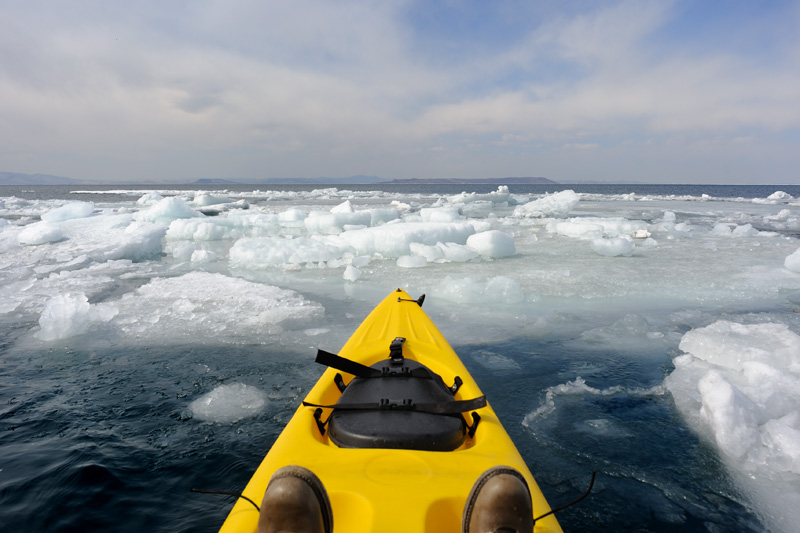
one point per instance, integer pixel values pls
(257, 89)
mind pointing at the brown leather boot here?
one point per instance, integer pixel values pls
(295, 502)
(500, 501)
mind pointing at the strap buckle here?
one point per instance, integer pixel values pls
(396, 351)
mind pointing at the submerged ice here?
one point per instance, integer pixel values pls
(706, 285)
(229, 403)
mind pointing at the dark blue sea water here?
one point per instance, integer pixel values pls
(101, 440)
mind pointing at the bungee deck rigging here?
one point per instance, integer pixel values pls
(411, 391)
(396, 418)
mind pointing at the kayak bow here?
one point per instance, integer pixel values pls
(396, 453)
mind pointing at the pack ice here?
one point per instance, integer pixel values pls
(714, 279)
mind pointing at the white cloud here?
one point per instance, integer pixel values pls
(257, 89)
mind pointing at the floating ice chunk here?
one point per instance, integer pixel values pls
(265, 252)
(249, 225)
(403, 207)
(412, 261)
(614, 247)
(499, 196)
(139, 241)
(150, 198)
(292, 215)
(431, 253)
(721, 229)
(439, 214)
(481, 225)
(394, 240)
(683, 227)
(478, 209)
(167, 210)
(383, 215)
(492, 243)
(783, 435)
(40, 233)
(457, 253)
(792, 261)
(330, 223)
(730, 345)
(577, 230)
(67, 315)
(229, 403)
(69, 211)
(556, 205)
(497, 290)
(205, 199)
(739, 386)
(222, 309)
(783, 215)
(641, 234)
(504, 290)
(351, 273)
(360, 261)
(182, 251)
(344, 207)
(616, 226)
(203, 256)
(195, 229)
(780, 196)
(729, 413)
(746, 230)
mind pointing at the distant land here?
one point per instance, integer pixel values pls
(352, 180)
(484, 181)
(16, 178)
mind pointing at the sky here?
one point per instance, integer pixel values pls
(683, 91)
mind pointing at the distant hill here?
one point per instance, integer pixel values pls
(15, 178)
(485, 181)
(214, 181)
(368, 180)
(352, 180)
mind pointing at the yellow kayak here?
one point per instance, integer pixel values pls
(402, 461)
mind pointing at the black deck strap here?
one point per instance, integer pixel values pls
(396, 350)
(437, 408)
(318, 417)
(476, 418)
(456, 385)
(346, 365)
(339, 382)
(363, 371)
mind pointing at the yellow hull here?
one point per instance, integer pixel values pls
(386, 490)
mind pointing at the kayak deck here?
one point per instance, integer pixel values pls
(385, 490)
